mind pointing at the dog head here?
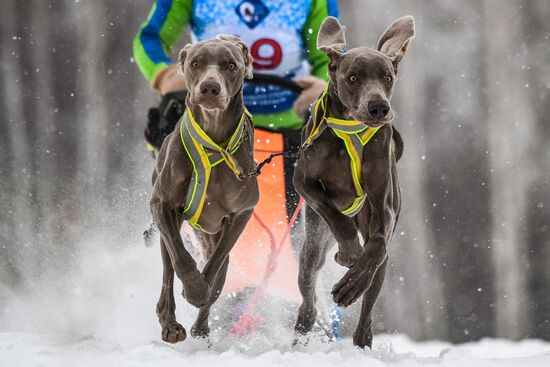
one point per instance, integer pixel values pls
(364, 78)
(214, 70)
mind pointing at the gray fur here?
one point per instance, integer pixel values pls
(215, 99)
(323, 178)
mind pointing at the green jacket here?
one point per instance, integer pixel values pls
(281, 35)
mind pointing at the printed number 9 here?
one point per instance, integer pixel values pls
(263, 62)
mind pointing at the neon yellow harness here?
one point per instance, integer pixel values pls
(355, 136)
(195, 140)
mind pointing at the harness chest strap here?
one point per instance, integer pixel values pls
(354, 134)
(194, 141)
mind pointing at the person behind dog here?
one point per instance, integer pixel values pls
(281, 36)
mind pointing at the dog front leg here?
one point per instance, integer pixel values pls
(382, 223)
(362, 336)
(195, 289)
(343, 228)
(172, 331)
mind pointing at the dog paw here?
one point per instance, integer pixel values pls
(173, 333)
(196, 290)
(306, 319)
(352, 286)
(356, 280)
(200, 331)
(300, 340)
(345, 260)
(363, 338)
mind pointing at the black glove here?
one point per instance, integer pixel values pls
(162, 120)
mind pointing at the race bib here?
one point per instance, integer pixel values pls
(272, 31)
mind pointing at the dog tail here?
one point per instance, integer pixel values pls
(399, 145)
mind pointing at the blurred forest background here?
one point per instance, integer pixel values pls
(471, 256)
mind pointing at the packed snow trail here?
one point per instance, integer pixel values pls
(102, 313)
(24, 350)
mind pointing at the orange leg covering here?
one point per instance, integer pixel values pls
(249, 257)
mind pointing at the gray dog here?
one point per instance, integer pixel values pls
(347, 171)
(201, 176)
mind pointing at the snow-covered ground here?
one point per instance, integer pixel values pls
(102, 314)
(26, 350)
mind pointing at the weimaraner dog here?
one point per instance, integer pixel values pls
(201, 176)
(346, 171)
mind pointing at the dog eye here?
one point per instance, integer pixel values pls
(231, 66)
(352, 78)
(388, 78)
(195, 64)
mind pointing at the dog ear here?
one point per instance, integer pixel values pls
(183, 55)
(332, 40)
(246, 52)
(396, 39)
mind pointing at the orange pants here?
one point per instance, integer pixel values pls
(248, 259)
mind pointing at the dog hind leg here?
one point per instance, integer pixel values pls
(200, 328)
(312, 258)
(217, 247)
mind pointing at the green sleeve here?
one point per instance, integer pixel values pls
(159, 34)
(320, 9)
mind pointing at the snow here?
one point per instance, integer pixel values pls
(25, 349)
(103, 315)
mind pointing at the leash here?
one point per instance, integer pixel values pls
(247, 322)
(287, 154)
(149, 233)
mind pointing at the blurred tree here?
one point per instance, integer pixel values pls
(471, 253)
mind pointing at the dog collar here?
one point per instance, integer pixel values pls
(195, 142)
(354, 134)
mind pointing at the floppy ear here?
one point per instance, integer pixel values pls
(246, 52)
(331, 40)
(183, 55)
(396, 39)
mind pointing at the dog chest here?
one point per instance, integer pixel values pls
(226, 195)
(328, 163)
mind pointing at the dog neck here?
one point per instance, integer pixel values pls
(219, 125)
(335, 106)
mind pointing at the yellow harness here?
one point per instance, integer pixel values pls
(355, 136)
(195, 140)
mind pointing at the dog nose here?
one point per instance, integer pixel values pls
(379, 109)
(210, 89)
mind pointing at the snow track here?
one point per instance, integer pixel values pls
(23, 349)
(102, 315)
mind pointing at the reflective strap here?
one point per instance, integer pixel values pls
(194, 140)
(355, 136)
(216, 158)
(355, 153)
(367, 135)
(349, 126)
(200, 136)
(196, 193)
(318, 126)
(355, 207)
